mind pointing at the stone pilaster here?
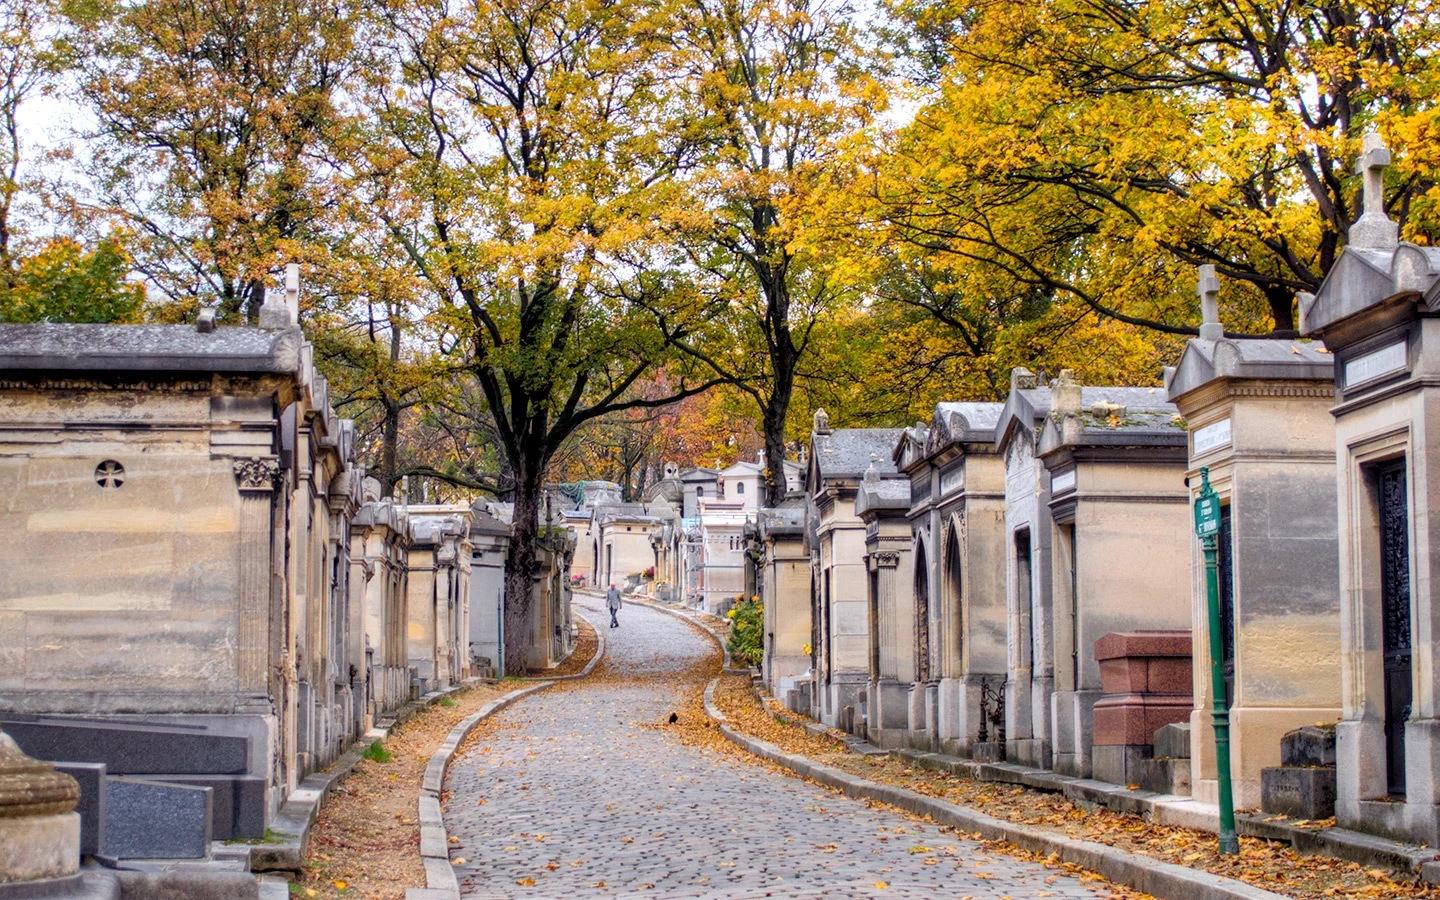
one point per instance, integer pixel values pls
(256, 480)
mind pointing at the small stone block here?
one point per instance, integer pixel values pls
(432, 843)
(430, 812)
(91, 777)
(440, 875)
(1173, 741)
(153, 820)
(1298, 793)
(1312, 745)
(33, 848)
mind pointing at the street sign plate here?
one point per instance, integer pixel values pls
(1207, 514)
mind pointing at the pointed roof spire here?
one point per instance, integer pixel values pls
(1374, 230)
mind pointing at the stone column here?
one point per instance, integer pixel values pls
(256, 480)
(39, 828)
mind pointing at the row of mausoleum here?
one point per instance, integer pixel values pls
(200, 590)
(1022, 580)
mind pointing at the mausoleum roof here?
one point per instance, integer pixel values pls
(881, 494)
(788, 518)
(1204, 361)
(1364, 277)
(1024, 408)
(148, 348)
(968, 421)
(1113, 417)
(848, 452)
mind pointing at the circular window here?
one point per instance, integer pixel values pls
(109, 474)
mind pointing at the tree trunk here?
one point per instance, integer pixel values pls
(1282, 307)
(773, 416)
(389, 441)
(521, 566)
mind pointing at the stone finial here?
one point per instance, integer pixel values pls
(205, 322)
(1209, 291)
(1374, 230)
(39, 830)
(1022, 379)
(274, 314)
(872, 474)
(29, 787)
(822, 422)
(292, 289)
(1065, 394)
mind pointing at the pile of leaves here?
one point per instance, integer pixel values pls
(366, 841)
(747, 631)
(1271, 865)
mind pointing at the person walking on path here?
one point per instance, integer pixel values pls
(612, 601)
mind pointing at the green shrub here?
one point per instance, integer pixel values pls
(747, 631)
(376, 752)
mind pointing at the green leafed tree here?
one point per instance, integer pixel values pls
(64, 282)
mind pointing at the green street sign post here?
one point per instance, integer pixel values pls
(1207, 528)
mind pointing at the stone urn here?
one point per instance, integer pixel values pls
(39, 828)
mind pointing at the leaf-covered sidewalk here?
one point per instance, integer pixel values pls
(1265, 864)
(366, 841)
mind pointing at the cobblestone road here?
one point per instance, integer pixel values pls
(582, 789)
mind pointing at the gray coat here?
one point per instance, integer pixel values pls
(612, 599)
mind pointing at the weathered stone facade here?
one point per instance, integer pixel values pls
(1120, 543)
(439, 589)
(1030, 674)
(957, 520)
(200, 492)
(841, 642)
(898, 676)
(379, 554)
(1258, 415)
(1377, 312)
(785, 590)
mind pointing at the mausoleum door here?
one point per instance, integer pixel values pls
(954, 600)
(922, 616)
(1395, 621)
(1070, 547)
(1227, 603)
(1027, 598)
(874, 624)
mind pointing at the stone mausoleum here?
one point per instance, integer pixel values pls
(202, 630)
(1378, 311)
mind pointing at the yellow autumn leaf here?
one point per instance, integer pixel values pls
(527, 881)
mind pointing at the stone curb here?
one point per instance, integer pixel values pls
(1180, 811)
(440, 880)
(297, 815)
(1163, 880)
(728, 667)
(589, 667)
